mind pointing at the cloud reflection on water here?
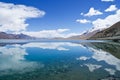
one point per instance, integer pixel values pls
(101, 56)
(12, 59)
(13, 56)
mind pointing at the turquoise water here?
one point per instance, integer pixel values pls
(59, 60)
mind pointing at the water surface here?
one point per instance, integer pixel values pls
(59, 60)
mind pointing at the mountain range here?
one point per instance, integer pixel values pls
(111, 33)
(4, 35)
(83, 36)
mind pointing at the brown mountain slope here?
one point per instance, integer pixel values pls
(112, 32)
(83, 36)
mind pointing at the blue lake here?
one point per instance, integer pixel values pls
(59, 61)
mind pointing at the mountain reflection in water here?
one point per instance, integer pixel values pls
(59, 61)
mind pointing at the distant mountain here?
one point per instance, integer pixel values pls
(84, 36)
(4, 35)
(112, 32)
(23, 36)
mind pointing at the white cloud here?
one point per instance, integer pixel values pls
(93, 12)
(13, 17)
(62, 30)
(47, 33)
(101, 24)
(50, 33)
(107, 0)
(71, 34)
(83, 21)
(81, 13)
(111, 8)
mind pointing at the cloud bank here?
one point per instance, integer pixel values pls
(50, 33)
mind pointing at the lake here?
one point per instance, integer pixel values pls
(74, 60)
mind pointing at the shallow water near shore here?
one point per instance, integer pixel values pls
(59, 60)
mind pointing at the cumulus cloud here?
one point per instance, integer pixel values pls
(92, 12)
(13, 17)
(111, 8)
(101, 24)
(107, 0)
(83, 21)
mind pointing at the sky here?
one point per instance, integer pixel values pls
(57, 18)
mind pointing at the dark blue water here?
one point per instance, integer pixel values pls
(60, 61)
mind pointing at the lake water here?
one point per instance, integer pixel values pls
(59, 61)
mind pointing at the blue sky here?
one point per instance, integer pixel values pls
(66, 14)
